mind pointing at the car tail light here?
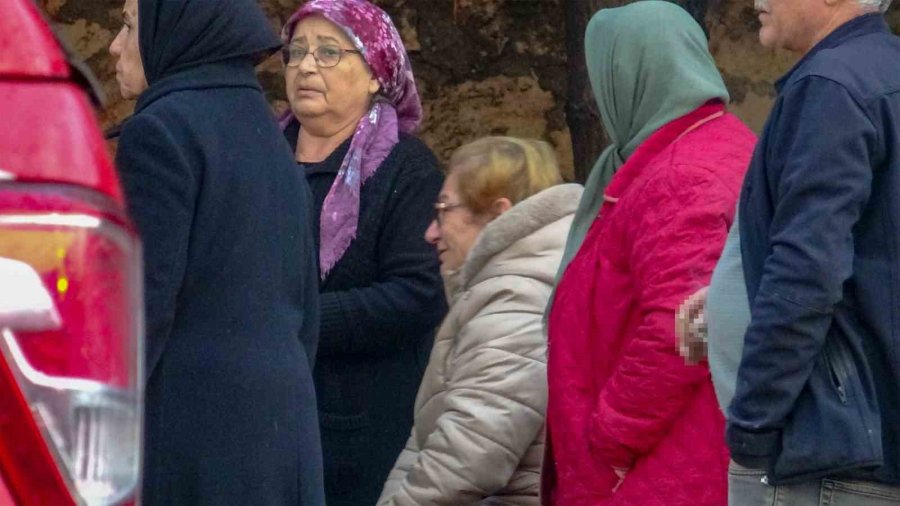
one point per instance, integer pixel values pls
(71, 338)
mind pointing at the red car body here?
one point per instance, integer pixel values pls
(71, 332)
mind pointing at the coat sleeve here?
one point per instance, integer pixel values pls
(675, 241)
(160, 190)
(496, 400)
(825, 182)
(405, 462)
(408, 298)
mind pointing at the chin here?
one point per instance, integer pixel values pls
(302, 109)
(131, 91)
(767, 38)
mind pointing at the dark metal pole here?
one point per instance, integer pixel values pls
(584, 123)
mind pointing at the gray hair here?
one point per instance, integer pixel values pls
(881, 5)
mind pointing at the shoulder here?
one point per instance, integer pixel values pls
(722, 139)
(410, 145)
(508, 294)
(224, 109)
(150, 157)
(683, 196)
(724, 145)
(412, 157)
(175, 106)
(710, 162)
(858, 66)
(799, 115)
(148, 131)
(504, 312)
(689, 187)
(409, 171)
(168, 117)
(166, 131)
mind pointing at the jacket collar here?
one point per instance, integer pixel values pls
(657, 143)
(523, 220)
(233, 73)
(862, 25)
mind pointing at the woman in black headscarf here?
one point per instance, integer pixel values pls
(231, 284)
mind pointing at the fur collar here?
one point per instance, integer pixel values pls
(523, 220)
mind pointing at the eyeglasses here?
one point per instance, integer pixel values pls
(443, 207)
(325, 56)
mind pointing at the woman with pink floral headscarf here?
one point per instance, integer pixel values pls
(354, 108)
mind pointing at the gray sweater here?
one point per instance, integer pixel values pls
(728, 316)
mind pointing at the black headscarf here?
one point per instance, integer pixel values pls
(180, 34)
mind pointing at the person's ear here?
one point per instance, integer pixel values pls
(374, 86)
(500, 206)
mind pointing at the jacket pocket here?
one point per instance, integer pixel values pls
(834, 426)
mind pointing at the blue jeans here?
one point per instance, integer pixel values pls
(745, 488)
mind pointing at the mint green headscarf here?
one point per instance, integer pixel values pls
(649, 64)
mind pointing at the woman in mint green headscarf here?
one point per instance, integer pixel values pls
(659, 80)
(629, 423)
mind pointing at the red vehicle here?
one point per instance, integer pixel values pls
(71, 337)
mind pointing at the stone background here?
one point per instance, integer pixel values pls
(483, 66)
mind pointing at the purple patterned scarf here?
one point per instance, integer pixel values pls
(396, 109)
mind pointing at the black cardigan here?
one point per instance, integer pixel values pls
(380, 305)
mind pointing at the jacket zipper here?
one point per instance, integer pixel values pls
(837, 371)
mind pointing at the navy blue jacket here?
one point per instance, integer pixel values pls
(231, 285)
(817, 390)
(231, 294)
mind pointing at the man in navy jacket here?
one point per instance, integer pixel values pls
(817, 405)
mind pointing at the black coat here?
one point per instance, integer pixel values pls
(380, 306)
(230, 280)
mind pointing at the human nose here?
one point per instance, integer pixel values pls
(115, 48)
(308, 63)
(433, 233)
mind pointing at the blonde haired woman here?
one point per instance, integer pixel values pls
(501, 226)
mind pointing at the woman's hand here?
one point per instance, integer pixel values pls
(690, 327)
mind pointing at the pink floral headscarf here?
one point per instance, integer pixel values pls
(396, 109)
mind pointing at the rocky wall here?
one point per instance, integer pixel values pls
(484, 67)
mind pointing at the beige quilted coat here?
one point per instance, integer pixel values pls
(479, 414)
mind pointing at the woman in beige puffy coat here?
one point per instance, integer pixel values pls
(502, 221)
